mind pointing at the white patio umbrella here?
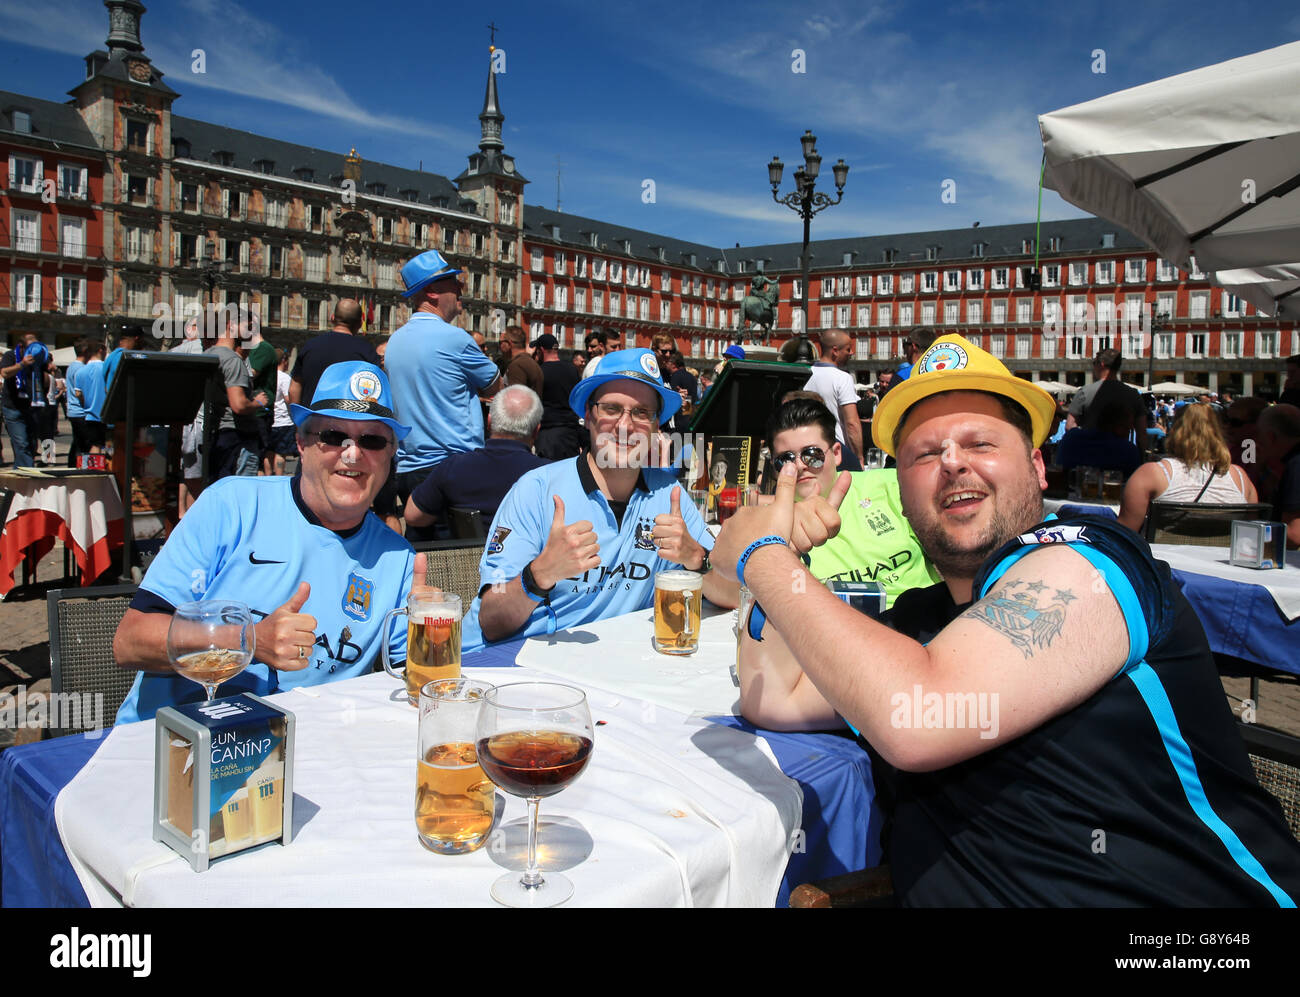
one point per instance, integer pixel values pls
(1057, 387)
(1175, 388)
(1203, 164)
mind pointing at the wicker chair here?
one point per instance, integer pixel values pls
(1276, 758)
(1197, 523)
(82, 624)
(453, 566)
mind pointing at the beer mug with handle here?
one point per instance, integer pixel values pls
(432, 641)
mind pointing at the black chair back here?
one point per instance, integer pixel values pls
(83, 622)
(1198, 523)
(468, 524)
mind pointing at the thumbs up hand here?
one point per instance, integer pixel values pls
(286, 637)
(673, 539)
(570, 549)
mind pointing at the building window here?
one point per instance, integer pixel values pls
(1052, 312)
(1233, 306)
(844, 286)
(598, 269)
(561, 298)
(1195, 345)
(950, 312)
(72, 182)
(137, 243)
(615, 270)
(883, 314)
(998, 346)
(190, 200)
(27, 231)
(929, 282)
(597, 301)
(1001, 276)
(974, 312)
(826, 318)
(645, 309)
(1105, 271)
(72, 295)
(559, 261)
(1000, 311)
(906, 283)
(615, 302)
(828, 287)
(927, 313)
(975, 280)
(449, 239)
(952, 280)
(580, 299)
(905, 312)
(1105, 313)
(1024, 310)
(797, 288)
(137, 135)
(1266, 345)
(137, 189)
(665, 311)
(1231, 344)
(1024, 346)
(1078, 274)
(864, 316)
(187, 249)
(1166, 270)
(314, 267)
(1052, 275)
(864, 283)
(22, 122)
(277, 212)
(1135, 271)
(536, 258)
(139, 299)
(27, 292)
(1047, 347)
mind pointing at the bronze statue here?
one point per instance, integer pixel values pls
(759, 307)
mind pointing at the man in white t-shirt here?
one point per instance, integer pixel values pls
(283, 442)
(837, 390)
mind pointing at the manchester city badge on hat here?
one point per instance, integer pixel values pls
(425, 269)
(953, 363)
(633, 365)
(353, 390)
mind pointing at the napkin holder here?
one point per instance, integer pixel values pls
(223, 777)
(1258, 543)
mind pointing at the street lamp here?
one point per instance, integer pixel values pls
(806, 202)
(1157, 324)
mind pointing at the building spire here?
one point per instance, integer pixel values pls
(491, 117)
(124, 26)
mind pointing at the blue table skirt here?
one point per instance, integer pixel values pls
(840, 831)
(1243, 621)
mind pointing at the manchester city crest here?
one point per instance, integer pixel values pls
(365, 386)
(650, 365)
(498, 541)
(942, 356)
(357, 597)
(645, 535)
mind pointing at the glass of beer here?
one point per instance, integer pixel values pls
(679, 601)
(455, 803)
(211, 641)
(432, 641)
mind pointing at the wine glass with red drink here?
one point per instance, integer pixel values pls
(534, 738)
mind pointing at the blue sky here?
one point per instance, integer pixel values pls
(694, 96)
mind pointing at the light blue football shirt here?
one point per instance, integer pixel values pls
(629, 561)
(436, 372)
(249, 539)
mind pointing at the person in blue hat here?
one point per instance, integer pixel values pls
(581, 540)
(316, 567)
(438, 373)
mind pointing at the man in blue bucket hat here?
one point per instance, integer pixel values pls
(438, 373)
(581, 540)
(316, 567)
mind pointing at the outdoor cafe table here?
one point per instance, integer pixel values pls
(677, 807)
(1248, 613)
(83, 510)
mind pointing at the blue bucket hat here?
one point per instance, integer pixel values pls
(425, 269)
(633, 365)
(352, 390)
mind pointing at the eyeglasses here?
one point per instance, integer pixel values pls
(640, 415)
(814, 458)
(337, 438)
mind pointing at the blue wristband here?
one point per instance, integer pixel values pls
(760, 542)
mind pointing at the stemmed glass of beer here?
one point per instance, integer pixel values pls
(534, 738)
(211, 642)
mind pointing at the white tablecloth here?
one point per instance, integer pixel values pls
(1282, 584)
(616, 655)
(670, 812)
(86, 502)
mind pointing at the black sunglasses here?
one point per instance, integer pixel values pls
(814, 458)
(336, 438)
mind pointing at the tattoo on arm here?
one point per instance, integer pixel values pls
(1029, 614)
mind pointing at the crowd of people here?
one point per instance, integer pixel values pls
(1107, 714)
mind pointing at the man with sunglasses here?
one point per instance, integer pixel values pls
(581, 540)
(316, 567)
(1048, 723)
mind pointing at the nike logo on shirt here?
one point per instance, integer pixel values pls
(258, 560)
